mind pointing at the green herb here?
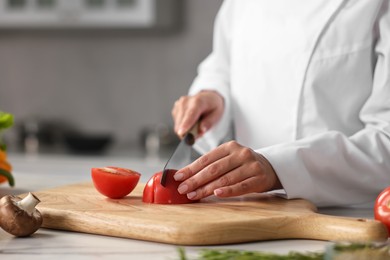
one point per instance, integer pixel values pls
(6, 121)
(353, 247)
(358, 251)
(9, 177)
(182, 253)
(208, 254)
(248, 255)
(338, 251)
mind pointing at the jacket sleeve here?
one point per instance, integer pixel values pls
(214, 74)
(333, 169)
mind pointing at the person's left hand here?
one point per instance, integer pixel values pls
(229, 170)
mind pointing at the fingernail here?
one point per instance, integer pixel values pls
(204, 128)
(218, 192)
(182, 189)
(178, 176)
(180, 131)
(191, 195)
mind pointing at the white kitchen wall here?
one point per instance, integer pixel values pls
(103, 80)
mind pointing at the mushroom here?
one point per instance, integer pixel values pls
(18, 216)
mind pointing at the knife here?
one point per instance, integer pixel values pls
(182, 155)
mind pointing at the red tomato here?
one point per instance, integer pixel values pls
(114, 182)
(154, 192)
(382, 208)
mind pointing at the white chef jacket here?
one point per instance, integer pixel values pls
(306, 83)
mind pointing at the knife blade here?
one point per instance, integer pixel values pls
(181, 157)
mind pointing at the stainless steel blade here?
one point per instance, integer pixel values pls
(180, 158)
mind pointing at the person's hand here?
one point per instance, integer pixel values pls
(229, 170)
(207, 106)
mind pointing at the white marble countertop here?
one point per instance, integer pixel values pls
(39, 172)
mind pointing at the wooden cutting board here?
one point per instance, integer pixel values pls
(256, 217)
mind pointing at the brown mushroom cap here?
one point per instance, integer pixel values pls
(17, 221)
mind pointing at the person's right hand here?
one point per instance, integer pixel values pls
(207, 106)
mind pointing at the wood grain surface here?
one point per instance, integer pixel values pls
(256, 217)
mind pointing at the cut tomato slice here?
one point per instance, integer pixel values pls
(114, 182)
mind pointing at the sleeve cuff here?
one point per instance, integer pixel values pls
(291, 171)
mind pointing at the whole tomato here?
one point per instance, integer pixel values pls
(154, 192)
(382, 208)
(114, 182)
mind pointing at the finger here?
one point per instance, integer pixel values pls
(201, 163)
(195, 174)
(178, 112)
(200, 182)
(261, 179)
(246, 186)
(192, 113)
(215, 107)
(208, 120)
(236, 175)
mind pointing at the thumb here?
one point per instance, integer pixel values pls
(208, 121)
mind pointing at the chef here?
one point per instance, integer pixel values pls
(304, 85)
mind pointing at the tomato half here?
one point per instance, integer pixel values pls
(114, 182)
(382, 208)
(154, 192)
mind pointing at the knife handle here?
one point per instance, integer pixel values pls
(191, 135)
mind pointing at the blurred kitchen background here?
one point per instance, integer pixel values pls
(72, 70)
